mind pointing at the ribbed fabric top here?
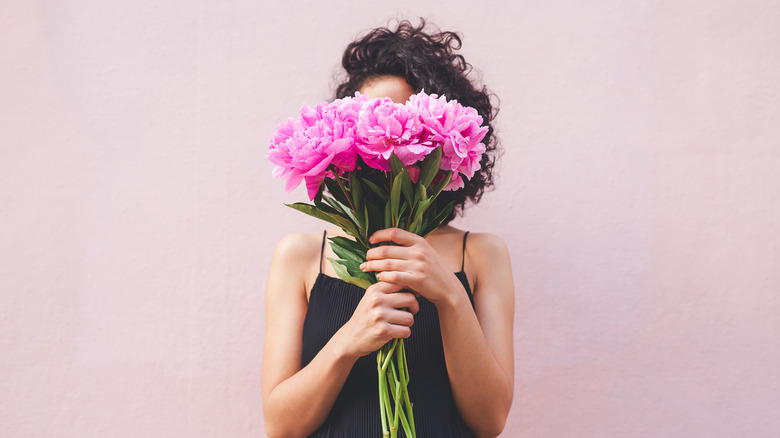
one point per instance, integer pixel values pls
(356, 410)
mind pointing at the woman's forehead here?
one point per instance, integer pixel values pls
(394, 87)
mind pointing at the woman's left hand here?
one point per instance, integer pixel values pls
(414, 264)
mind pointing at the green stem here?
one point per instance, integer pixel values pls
(344, 190)
(397, 405)
(400, 395)
(408, 428)
(387, 411)
(391, 180)
(397, 394)
(407, 403)
(401, 355)
(382, 390)
(410, 433)
(389, 354)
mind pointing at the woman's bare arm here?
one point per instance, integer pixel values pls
(295, 401)
(478, 348)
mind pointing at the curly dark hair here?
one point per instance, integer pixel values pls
(427, 61)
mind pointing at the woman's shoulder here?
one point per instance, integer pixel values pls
(488, 255)
(299, 250)
(487, 244)
(298, 246)
(297, 257)
(478, 245)
(493, 290)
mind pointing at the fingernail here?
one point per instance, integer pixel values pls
(362, 266)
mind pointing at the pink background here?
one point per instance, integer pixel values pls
(639, 195)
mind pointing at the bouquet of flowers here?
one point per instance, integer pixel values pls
(371, 164)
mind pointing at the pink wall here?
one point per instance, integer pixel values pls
(639, 194)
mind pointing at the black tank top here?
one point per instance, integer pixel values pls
(356, 410)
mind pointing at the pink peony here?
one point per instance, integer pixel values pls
(457, 128)
(433, 113)
(304, 148)
(325, 141)
(385, 127)
(456, 183)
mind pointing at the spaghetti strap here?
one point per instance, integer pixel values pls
(322, 250)
(463, 260)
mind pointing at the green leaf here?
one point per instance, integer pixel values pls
(430, 165)
(375, 217)
(395, 196)
(340, 221)
(420, 193)
(355, 188)
(396, 165)
(357, 200)
(318, 196)
(342, 272)
(421, 207)
(438, 220)
(367, 221)
(407, 186)
(416, 225)
(336, 205)
(353, 267)
(376, 189)
(346, 254)
(441, 184)
(336, 191)
(351, 245)
(317, 213)
(388, 218)
(345, 210)
(401, 212)
(327, 208)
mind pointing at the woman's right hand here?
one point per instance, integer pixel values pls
(384, 313)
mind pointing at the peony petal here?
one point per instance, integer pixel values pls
(457, 183)
(394, 127)
(319, 167)
(293, 180)
(313, 185)
(280, 172)
(414, 173)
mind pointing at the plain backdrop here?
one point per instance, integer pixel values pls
(639, 194)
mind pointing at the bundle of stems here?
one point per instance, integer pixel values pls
(393, 381)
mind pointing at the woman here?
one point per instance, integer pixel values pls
(319, 366)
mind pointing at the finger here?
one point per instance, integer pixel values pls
(385, 287)
(397, 235)
(403, 300)
(396, 331)
(402, 278)
(400, 317)
(384, 265)
(389, 252)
